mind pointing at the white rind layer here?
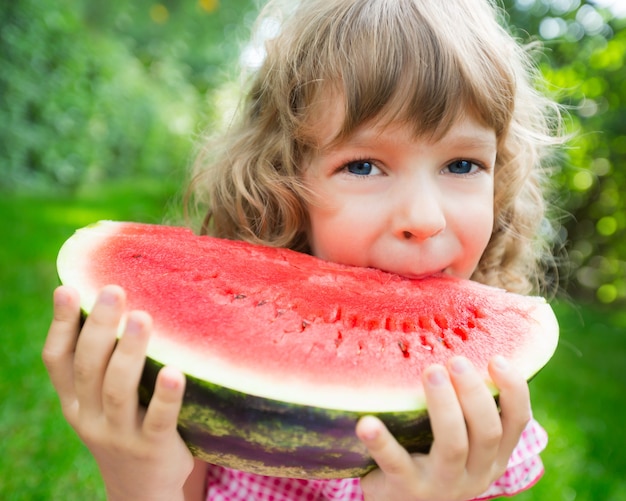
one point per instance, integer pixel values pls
(528, 359)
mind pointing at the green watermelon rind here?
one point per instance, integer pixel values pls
(276, 438)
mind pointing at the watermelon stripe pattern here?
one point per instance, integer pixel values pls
(524, 470)
(281, 439)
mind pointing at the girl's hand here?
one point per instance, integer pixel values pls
(472, 440)
(139, 452)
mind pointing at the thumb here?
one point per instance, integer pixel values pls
(390, 456)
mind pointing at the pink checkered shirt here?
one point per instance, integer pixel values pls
(524, 470)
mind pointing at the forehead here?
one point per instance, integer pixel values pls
(329, 128)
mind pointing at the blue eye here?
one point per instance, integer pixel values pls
(361, 168)
(462, 167)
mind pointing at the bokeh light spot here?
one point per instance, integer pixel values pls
(159, 13)
(582, 180)
(209, 5)
(607, 293)
(607, 226)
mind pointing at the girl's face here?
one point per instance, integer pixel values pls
(415, 207)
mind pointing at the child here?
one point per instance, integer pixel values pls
(398, 134)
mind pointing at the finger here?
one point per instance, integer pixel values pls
(162, 413)
(484, 428)
(450, 443)
(60, 344)
(390, 456)
(95, 345)
(514, 404)
(119, 389)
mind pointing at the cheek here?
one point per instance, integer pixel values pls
(337, 233)
(327, 233)
(477, 232)
(320, 233)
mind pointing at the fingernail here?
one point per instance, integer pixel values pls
(133, 326)
(170, 384)
(460, 365)
(436, 376)
(61, 298)
(370, 435)
(108, 297)
(500, 363)
(371, 431)
(170, 378)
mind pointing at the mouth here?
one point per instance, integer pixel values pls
(422, 276)
(412, 272)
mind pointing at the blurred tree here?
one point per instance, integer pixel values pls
(93, 90)
(585, 52)
(201, 38)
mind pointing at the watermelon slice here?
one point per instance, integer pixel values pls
(283, 352)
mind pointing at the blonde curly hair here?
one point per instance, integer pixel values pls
(419, 62)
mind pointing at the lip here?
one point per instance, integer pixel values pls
(422, 276)
(416, 272)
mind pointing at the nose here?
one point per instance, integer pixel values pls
(420, 213)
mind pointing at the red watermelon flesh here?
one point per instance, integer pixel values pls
(288, 326)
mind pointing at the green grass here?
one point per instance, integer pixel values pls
(579, 397)
(41, 457)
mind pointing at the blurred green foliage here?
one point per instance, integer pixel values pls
(585, 61)
(93, 91)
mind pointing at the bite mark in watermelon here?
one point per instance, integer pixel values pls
(283, 352)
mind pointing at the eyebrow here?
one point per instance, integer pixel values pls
(362, 139)
(480, 140)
